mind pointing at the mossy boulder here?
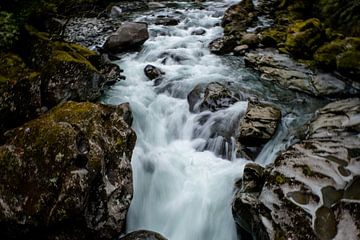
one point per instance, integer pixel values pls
(272, 37)
(68, 172)
(68, 71)
(304, 37)
(20, 97)
(341, 54)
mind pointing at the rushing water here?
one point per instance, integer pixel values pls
(182, 188)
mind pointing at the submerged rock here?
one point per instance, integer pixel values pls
(166, 21)
(311, 182)
(152, 72)
(69, 172)
(129, 36)
(143, 235)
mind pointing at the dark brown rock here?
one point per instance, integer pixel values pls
(67, 174)
(143, 235)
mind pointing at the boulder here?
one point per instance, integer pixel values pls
(223, 45)
(199, 31)
(130, 35)
(240, 50)
(281, 69)
(20, 97)
(67, 174)
(152, 72)
(304, 37)
(342, 54)
(313, 184)
(143, 235)
(259, 124)
(250, 39)
(238, 18)
(213, 97)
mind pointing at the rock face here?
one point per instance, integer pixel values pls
(130, 35)
(143, 235)
(67, 174)
(314, 184)
(286, 72)
(213, 97)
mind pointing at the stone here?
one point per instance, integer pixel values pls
(115, 12)
(143, 235)
(154, 5)
(152, 72)
(250, 39)
(166, 21)
(311, 184)
(199, 31)
(240, 50)
(259, 124)
(69, 171)
(223, 45)
(130, 36)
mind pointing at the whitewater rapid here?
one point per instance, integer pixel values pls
(183, 189)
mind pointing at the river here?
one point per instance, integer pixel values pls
(184, 171)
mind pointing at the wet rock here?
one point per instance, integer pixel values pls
(250, 39)
(154, 5)
(143, 235)
(259, 124)
(199, 31)
(166, 21)
(342, 54)
(223, 45)
(129, 36)
(115, 12)
(213, 97)
(296, 76)
(20, 95)
(240, 50)
(304, 37)
(67, 171)
(238, 18)
(325, 160)
(152, 72)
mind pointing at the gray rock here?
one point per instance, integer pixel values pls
(129, 36)
(312, 184)
(154, 5)
(283, 70)
(240, 50)
(115, 12)
(166, 21)
(199, 31)
(69, 171)
(152, 72)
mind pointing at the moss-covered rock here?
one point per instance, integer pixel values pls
(69, 171)
(272, 37)
(341, 54)
(304, 37)
(20, 97)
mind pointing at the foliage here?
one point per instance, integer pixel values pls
(9, 31)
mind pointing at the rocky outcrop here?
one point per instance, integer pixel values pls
(290, 74)
(314, 184)
(67, 174)
(129, 36)
(143, 235)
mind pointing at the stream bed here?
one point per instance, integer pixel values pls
(183, 181)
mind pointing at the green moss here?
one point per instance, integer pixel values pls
(349, 62)
(280, 179)
(63, 56)
(272, 37)
(304, 37)
(13, 68)
(307, 171)
(326, 55)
